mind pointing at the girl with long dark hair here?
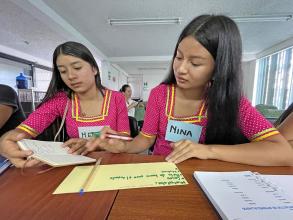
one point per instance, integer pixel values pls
(199, 111)
(76, 94)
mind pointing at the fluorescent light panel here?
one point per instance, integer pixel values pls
(144, 21)
(263, 18)
(152, 68)
(178, 20)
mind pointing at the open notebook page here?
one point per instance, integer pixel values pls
(53, 153)
(43, 147)
(245, 195)
(282, 182)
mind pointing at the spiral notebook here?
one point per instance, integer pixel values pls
(247, 195)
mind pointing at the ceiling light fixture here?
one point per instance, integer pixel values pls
(144, 21)
(152, 68)
(263, 18)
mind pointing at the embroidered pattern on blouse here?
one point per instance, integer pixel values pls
(170, 105)
(104, 113)
(264, 134)
(28, 130)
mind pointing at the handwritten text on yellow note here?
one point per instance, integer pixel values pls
(123, 176)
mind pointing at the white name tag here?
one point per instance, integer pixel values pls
(177, 131)
(87, 132)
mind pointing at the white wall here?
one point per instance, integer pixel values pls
(248, 69)
(122, 80)
(136, 82)
(152, 78)
(112, 76)
(104, 73)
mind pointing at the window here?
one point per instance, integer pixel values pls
(274, 79)
(42, 79)
(10, 69)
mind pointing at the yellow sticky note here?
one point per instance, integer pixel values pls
(123, 176)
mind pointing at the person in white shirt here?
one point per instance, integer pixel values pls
(126, 90)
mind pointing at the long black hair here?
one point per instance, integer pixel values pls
(73, 49)
(56, 84)
(284, 115)
(220, 36)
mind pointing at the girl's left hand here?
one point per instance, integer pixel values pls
(76, 145)
(185, 149)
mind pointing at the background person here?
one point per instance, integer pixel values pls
(131, 104)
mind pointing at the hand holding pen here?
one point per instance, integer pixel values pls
(124, 138)
(109, 140)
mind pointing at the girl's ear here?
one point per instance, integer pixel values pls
(95, 71)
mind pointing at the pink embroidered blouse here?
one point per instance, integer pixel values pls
(113, 114)
(160, 108)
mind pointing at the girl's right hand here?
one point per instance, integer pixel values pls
(9, 149)
(104, 143)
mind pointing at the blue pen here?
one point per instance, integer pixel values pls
(88, 179)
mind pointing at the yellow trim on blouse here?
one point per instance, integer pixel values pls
(172, 101)
(105, 109)
(263, 132)
(170, 105)
(28, 130)
(262, 137)
(167, 101)
(147, 135)
(108, 106)
(124, 132)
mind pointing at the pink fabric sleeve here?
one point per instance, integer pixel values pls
(253, 125)
(152, 114)
(122, 115)
(44, 115)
